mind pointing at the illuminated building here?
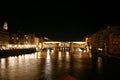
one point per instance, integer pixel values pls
(4, 36)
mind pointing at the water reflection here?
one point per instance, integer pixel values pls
(106, 68)
(111, 69)
(60, 55)
(18, 67)
(50, 65)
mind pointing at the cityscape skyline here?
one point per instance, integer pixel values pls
(59, 20)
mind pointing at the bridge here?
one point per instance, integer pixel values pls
(71, 46)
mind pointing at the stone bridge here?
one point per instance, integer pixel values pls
(71, 46)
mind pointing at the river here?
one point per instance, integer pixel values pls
(52, 65)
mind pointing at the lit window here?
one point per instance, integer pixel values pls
(115, 43)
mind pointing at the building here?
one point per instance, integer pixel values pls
(4, 36)
(23, 39)
(107, 40)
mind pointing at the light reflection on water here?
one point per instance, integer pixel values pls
(15, 68)
(99, 65)
(50, 65)
(60, 55)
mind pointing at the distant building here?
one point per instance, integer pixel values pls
(5, 26)
(18, 38)
(32, 38)
(4, 36)
(15, 39)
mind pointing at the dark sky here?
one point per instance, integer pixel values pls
(59, 20)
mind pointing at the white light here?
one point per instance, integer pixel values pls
(100, 49)
(80, 42)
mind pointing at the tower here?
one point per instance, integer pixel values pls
(5, 25)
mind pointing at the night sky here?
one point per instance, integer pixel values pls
(59, 20)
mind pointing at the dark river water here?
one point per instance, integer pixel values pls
(50, 65)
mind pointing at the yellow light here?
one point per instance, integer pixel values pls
(51, 42)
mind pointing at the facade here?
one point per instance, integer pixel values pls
(32, 38)
(107, 40)
(22, 39)
(15, 39)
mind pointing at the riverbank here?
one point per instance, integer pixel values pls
(16, 52)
